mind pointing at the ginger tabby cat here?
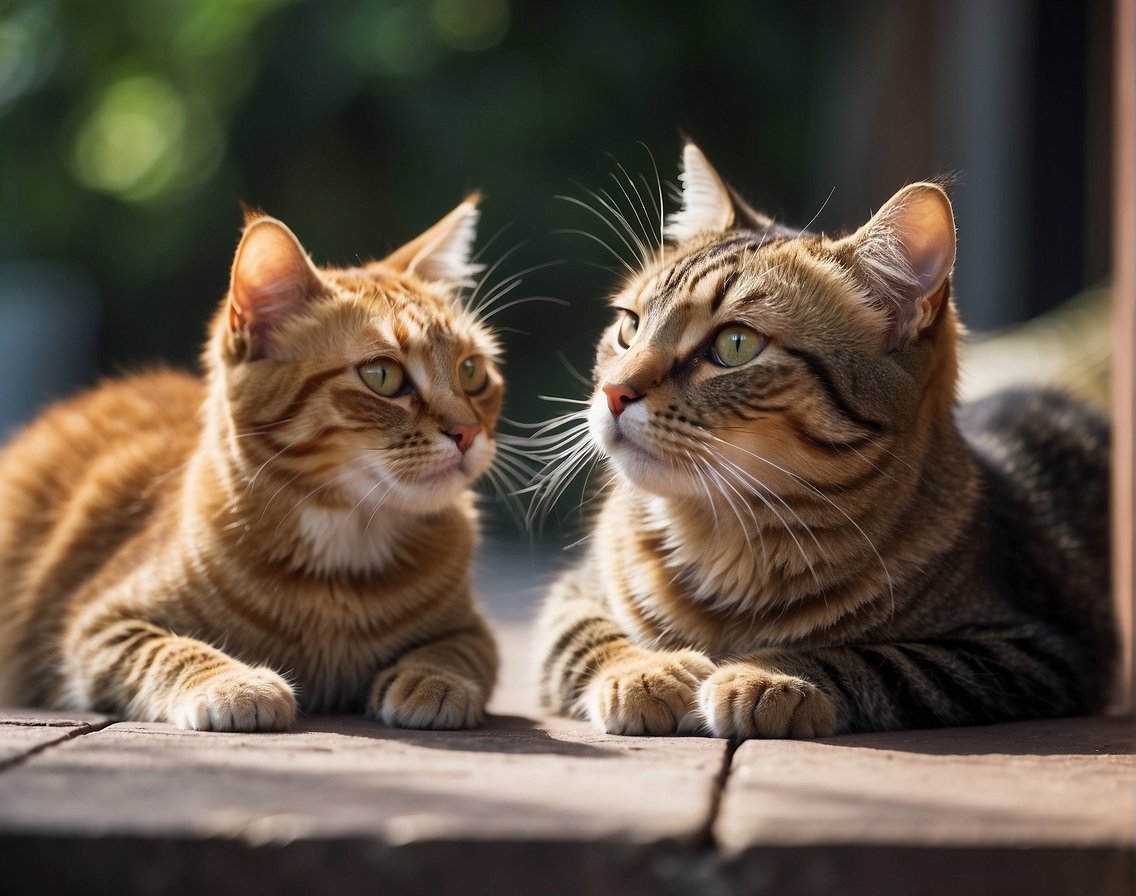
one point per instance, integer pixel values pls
(291, 531)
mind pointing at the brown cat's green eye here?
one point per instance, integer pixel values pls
(473, 374)
(628, 327)
(734, 346)
(383, 377)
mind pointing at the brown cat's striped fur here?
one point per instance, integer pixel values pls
(807, 542)
(220, 552)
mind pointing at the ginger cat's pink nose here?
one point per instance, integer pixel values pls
(463, 435)
(619, 396)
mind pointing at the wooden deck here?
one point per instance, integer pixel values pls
(537, 805)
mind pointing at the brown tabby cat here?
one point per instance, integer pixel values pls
(802, 536)
(294, 529)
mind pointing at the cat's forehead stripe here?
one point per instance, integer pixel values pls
(712, 256)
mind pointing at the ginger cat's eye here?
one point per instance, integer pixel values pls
(734, 346)
(628, 327)
(473, 374)
(383, 377)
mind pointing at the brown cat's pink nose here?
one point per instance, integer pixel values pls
(619, 396)
(463, 435)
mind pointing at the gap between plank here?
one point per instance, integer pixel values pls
(705, 839)
(84, 729)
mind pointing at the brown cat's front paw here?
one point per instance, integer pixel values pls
(743, 701)
(236, 700)
(648, 692)
(424, 697)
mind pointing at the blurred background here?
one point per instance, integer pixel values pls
(129, 132)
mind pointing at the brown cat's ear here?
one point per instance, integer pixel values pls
(272, 279)
(709, 204)
(444, 251)
(905, 253)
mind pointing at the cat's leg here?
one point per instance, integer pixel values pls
(443, 684)
(125, 665)
(992, 677)
(591, 670)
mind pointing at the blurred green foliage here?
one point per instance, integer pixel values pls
(130, 131)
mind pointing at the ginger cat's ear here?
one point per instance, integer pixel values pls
(272, 279)
(905, 253)
(444, 251)
(709, 204)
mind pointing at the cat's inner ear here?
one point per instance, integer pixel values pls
(706, 201)
(905, 254)
(444, 252)
(272, 279)
(709, 204)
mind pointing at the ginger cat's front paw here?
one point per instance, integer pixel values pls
(646, 692)
(743, 700)
(241, 699)
(413, 696)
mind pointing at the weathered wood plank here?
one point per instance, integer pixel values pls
(341, 777)
(25, 731)
(1044, 808)
(1051, 784)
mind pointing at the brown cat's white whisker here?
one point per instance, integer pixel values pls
(616, 223)
(548, 441)
(642, 252)
(749, 481)
(726, 487)
(555, 429)
(820, 494)
(580, 401)
(627, 267)
(608, 212)
(639, 209)
(700, 476)
(743, 480)
(575, 374)
(558, 474)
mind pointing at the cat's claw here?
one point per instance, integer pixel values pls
(745, 701)
(424, 697)
(648, 692)
(240, 700)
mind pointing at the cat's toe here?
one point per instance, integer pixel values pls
(242, 700)
(649, 693)
(423, 697)
(743, 701)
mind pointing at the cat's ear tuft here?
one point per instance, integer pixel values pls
(905, 253)
(445, 251)
(707, 204)
(272, 279)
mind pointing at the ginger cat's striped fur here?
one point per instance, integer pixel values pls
(801, 537)
(292, 531)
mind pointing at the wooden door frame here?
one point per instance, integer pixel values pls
(1124, 367)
